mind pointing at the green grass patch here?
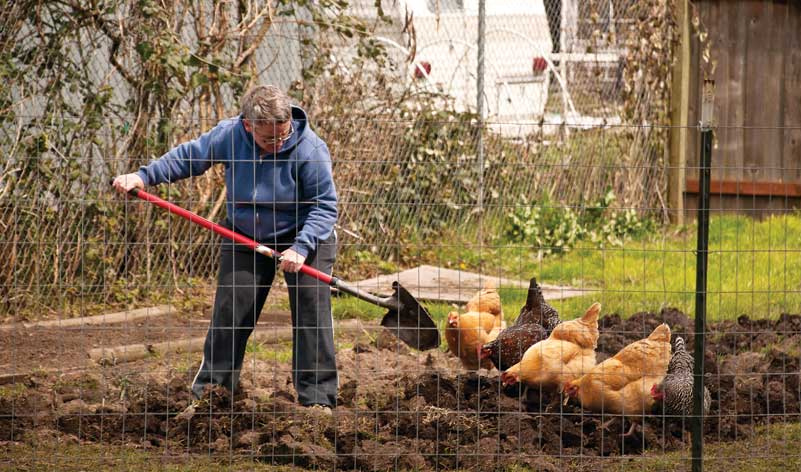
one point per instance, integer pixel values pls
(773, 447)
(754, 268)
(346, 307)
(276, 352)
(54, 454)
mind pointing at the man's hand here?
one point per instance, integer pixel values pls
(124, 183)
(291, 261)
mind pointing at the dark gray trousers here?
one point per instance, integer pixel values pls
(243, 283)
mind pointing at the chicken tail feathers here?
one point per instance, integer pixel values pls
(678, 344)
(591, 316)
(534, 298)
(661, 333)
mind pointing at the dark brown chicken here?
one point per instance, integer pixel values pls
(534, 323)
(537, 310)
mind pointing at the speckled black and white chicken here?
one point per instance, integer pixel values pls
(676, 389)
(534, 323)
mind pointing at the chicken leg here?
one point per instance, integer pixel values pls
(630, 432)
(605, 424)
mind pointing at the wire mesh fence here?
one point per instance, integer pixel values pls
(125, 100)
(571, 189)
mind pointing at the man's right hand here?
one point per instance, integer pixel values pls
(124, 183)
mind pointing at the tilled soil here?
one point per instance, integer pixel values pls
(405, 410)
(26, 349)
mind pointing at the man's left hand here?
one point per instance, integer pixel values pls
(291, 261)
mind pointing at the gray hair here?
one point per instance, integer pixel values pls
(266, 103)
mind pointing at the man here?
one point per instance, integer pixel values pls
(280, 192)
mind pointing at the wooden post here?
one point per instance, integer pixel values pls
(679, 116)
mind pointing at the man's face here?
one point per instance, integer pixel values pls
(269, 136)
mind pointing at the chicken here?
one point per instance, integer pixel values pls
(466, 333)
(676, 389)
(487, 300)
(534, 323)
(508, 347)
(567, 354)
(621, 384)
(537, 310)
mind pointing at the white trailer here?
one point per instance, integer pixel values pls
(443, 37)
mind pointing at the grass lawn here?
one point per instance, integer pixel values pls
(754, 268)
(771, 448)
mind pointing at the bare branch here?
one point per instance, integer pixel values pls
(267, 15)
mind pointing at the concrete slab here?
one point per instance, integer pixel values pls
(432, 283)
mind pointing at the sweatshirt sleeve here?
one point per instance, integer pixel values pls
(185, 160)
(317, 186)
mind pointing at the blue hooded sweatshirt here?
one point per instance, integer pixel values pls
(269, 196)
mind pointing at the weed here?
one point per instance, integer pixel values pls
(279, 352)
(12, 391)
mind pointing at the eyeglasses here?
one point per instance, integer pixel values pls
(280, 139)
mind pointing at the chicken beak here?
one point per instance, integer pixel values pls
(483, 353)
(453, 319)
(508, 379)
(566, 392)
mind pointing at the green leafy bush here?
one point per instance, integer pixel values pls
(550, 228)
(554, 228)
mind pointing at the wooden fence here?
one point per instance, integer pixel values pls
(754, 52)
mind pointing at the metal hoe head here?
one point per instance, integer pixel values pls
(410, 322)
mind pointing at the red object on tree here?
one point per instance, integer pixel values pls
(539, 64)
(418, 69)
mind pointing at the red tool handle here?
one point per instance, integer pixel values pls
(227, 233)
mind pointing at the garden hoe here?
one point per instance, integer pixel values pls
(406, 318)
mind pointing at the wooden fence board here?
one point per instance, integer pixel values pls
(742, 188)
(733, 80)
(756, 47)
(757, 88)
(726, 149)
(791, 140)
